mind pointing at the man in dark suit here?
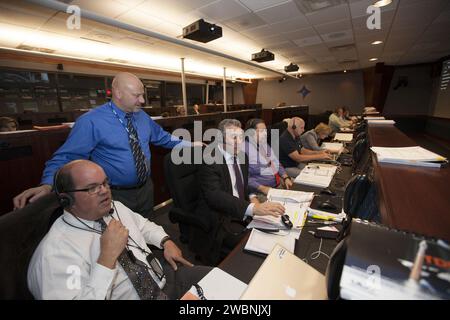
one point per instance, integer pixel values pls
(223, 202)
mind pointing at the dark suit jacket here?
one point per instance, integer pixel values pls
(217, 207)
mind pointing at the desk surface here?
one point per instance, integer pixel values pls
(243, 265)
(414, 199)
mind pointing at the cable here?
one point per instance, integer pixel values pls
(316, 254)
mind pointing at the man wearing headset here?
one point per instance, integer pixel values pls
(292, 153)
(97, 249)
(224, 203)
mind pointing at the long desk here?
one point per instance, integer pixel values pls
(414, 199)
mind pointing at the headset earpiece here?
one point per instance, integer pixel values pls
(293, 125)
(64, 200)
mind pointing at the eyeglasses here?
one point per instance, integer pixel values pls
(93, 189)
(155, 265)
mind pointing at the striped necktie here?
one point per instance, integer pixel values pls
(138, 154)
(137, 271)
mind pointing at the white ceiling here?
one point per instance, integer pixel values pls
(329, 39)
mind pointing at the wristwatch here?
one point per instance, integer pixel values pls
(164, 240)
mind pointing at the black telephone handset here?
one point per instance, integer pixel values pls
(286, 221)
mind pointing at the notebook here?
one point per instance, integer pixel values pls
(284, 276)
(217, 285)
(263, 242)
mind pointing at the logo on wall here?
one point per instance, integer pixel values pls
(304, 91)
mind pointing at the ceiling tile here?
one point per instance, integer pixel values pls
(140, 18)
(260, 32)
(333, 26)
(27, 15)
(309, 41)
(300, 34)
(246, 21)
(280, 12)
(291, 24)
(223, 10)
(325, 59)
(346, 35)
(256, 5)
(327, 15)
(109, 9)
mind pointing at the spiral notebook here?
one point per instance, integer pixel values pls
(383, 263)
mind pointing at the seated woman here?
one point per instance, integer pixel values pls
(310, 139)
(181, 111)
(336, 120)
(8, 124)
(265, 171)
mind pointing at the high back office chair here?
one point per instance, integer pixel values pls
(360, 156)
(361, 135)
(361, 127)
(21, 232)
(355, 193)
(184, 190)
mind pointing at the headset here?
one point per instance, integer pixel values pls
(64, 200)
(293, 125)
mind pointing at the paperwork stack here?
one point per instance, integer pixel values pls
(316, 175)
(415, 156)
(344, 137)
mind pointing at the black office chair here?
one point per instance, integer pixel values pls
(334, 270)
(361, 127)
(21, 232)
(361, 135)
(184, 190)
(360, 153)
(355, 193)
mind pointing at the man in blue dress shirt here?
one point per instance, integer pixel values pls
(117, 136)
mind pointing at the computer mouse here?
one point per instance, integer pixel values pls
(286, 221)
(328, 192)
(327, 205)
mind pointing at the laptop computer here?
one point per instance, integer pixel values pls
(284, 276)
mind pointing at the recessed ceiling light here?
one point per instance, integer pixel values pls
(377, 42)
(382, 3)
(373, 59)
(345, 71)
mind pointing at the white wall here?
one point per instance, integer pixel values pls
(414, 99)
(327, 92)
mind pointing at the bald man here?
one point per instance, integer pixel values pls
(293, 156)
(117, 136)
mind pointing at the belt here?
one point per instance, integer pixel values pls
(137, 186)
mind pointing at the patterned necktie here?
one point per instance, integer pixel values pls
(138, 154)
(137, 271)
(239, 180)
